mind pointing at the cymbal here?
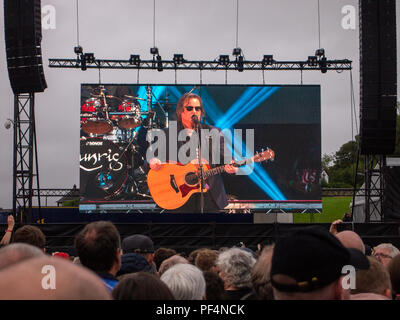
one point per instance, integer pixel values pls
(133, 97)
(101, 96)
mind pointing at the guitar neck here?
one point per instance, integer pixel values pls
(221, 169)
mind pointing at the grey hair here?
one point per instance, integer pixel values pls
(186, 282)
(392, 249)
(236, 265)
(17, 252)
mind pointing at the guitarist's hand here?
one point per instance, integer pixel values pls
(155, 164)
(230, 168)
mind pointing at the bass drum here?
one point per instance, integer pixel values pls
(103, 169)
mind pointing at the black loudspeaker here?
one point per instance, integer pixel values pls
(23, 35)
(391, 201)
(378, 76)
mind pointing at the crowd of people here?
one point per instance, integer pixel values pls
(306, 264)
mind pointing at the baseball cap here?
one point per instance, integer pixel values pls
(137, 243)
(311, 258)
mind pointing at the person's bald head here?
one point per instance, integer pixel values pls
(17, 252)
(350, 239)
(25, 281)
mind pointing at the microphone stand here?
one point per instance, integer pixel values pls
(197, 124)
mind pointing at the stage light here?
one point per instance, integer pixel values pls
(159, 63)
(320, 52)
(154, 51)
(312, 61)
(89, 57)
(8, 123)
(223, 59)
(134, 59)
(323, 65)
(240, 63)
(78, 50)
(237, 52)
(267, 60)
(178, 58)
(83, 63)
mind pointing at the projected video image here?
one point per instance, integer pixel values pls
(272, 135)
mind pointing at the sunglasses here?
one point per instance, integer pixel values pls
(191, 108)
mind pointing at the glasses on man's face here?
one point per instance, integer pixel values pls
(382, 255)
(191, 108)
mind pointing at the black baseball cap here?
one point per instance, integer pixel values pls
(137, 243)
(311, 258)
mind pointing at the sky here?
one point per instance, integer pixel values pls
(200, 30)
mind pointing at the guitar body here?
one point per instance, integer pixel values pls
(173, 185)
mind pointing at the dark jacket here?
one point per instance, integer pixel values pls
(217, 189)
(133, 262)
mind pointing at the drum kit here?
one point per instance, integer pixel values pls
(110, 162)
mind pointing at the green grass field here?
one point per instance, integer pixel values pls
(333, 208)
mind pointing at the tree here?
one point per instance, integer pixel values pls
(341, 166)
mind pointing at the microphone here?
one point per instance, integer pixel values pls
(195, 120)
(194, 88)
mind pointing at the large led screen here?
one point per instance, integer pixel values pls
(282, 123)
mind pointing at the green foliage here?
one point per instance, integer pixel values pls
(341, 166)
(346, 156)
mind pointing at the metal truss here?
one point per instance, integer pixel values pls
(374, 187)
(373, 190)
(46, 193)
(160, 65)
(25, 153)
(53, 192)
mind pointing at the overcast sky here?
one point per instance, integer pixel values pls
(201, 30)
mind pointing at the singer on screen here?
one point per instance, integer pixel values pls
(190, 115)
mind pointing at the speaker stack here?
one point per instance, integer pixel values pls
(378, 77)
(23, 35)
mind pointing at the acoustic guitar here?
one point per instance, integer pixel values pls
(173, 184)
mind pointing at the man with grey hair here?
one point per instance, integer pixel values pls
(17, 252)
(385, 252)
(186, 282)
(234, 266)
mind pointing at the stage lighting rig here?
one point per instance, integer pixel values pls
(159, 63)
(312, 61)
(78, 50)
(268, 60)
(178, 58)
(240, 65)
(223, 59)
(134, 59)
(154, 51)
(86, 58)
(323, 65)
(237, 52)
(89, 57)
(320, 54)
